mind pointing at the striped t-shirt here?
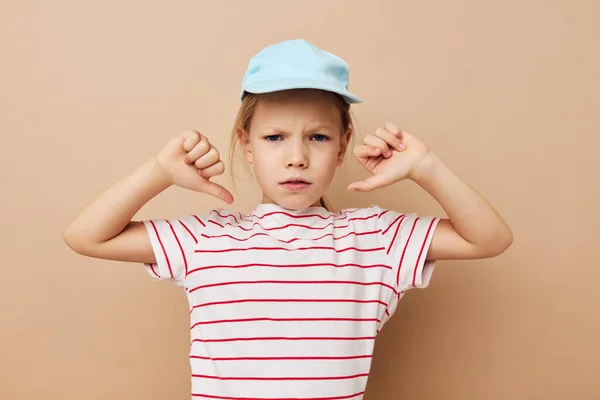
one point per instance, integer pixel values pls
(287, 304)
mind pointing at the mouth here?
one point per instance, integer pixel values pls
(295, 184)
(296, 180)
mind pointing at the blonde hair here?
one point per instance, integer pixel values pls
(247, 109)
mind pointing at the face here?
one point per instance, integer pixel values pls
(294, 145)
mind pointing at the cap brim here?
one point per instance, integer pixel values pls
(286, 84)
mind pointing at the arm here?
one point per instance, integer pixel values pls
(103, 229)
(474, 229)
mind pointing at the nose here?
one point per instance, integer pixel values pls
(297, 155)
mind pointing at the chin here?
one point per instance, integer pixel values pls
(295, 202)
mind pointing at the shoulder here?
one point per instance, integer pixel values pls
(373, 211)
(366, 215)
(224, 215)
(218, 218)
(200, 222)
(373, 216)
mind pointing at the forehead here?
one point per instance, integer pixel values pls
(295, 108)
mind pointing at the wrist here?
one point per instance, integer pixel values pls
(159, 176)
(425, 168)
(150, 178)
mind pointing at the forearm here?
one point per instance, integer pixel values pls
(109, 213)
(473, 218)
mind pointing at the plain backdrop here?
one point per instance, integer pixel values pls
(506, 93)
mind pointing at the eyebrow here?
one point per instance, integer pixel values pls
(310, 128)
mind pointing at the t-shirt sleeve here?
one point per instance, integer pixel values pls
(407, 238)
(173, 242)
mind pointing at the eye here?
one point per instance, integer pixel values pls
(320, 137)
(273, 138)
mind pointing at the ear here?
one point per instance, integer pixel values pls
(244, 138)
(344, 146)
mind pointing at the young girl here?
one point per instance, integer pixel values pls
(286, 301)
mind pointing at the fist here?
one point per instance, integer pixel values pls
(390, 155)
(189, 160)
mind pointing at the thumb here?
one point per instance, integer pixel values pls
(203, 185)
(214, 189)
(371, 183)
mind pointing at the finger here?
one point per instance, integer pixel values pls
(190, 139)
(374, 141)
(198, 151)
(371, 183)
(214, 189)
(366, 151)
(208, 159)
(394, 130)
(213, 170)
(389, 138)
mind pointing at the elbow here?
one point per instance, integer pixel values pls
(506, 238)
(509, 238)
(73, 240)
(501, 242)
(503, 246)
(69, 240)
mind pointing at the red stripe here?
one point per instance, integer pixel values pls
(292, 266)
(163, 247)
(299, 248)
(189, 231)
(356, 219)
(180, 249)
(421, 252)
(286, 378)
(395, 234)
(352, 233)
(392, 224)
(215, 303)
(200, 221)
(343, 214)
(291, 240)
(290, 225)
(318, 358)
(295, 216)
(294, 282)
(153, 271)
(404, 251)
(224, 321)
(278, 398)
(238, 239)
(381, 214)
(243, 339)
(226, 216)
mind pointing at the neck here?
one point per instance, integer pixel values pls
(321, 202)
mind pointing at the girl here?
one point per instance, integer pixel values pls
(286, 301)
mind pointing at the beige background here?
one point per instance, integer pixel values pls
(507, 93)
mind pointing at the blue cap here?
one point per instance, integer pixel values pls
(297, 64)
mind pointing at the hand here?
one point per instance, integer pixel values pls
(189, 161)
(390, 155)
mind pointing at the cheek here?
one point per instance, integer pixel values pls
(327, 163)
(263, 161)
(254, 149)
(332, 155)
